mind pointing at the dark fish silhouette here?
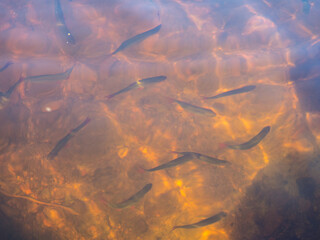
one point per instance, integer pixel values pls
(253, 141)
(186, 157)
(205, 158)
(62, 142)
(137, 84)
(212, 160)
(50, 77)
(5, 66)
(65, 32)
(194, 109)
(204, 222)
(233, 92)
(133, 199)
(138, 38)
(4, 96)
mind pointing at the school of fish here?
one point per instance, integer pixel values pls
(184, 157)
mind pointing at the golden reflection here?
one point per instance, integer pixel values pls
(203, 49)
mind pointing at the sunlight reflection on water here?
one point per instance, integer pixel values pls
(73, 56)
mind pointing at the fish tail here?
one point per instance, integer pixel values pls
(20, 80)
(141, 169)
(207, 98)
(204, 98)
(10, 90)
(70, 70)
(85, 122)
(109, 55)
(223, 145)
(112, 205)
(51, 155)
(114, 52)
(108, 97)
(169, 99)
(82, 125)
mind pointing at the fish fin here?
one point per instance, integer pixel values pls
(86, 121)
(11, 89)
(108, 97)
(114, 52)
(175, 227)
(204, 98)
(170, 99)
(223, 145)
(141, 169)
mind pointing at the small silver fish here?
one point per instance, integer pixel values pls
(5, 96)
(233, 92)
(204, 222)
(65, 32)
(186, 157)
(194, 109)
(137, 84)
(50, 77)
(137, 38)
(253, 141)
(5, 66)
(133, 199)
(62, 142)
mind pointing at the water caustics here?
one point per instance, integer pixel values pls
(196, 48)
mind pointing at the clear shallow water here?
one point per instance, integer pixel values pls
(203, 48)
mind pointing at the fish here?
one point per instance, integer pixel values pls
(50, 77)
(212, 160)
(206, 158)
(66, 34)
(5, 66)
(138, 84)
(253, 141)
(244, 89)
(133, 199)
(5, 96)
(204, 222)
(186, 157)
(137, 38)
(306, 6)
(62, 142)
(194, 109)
